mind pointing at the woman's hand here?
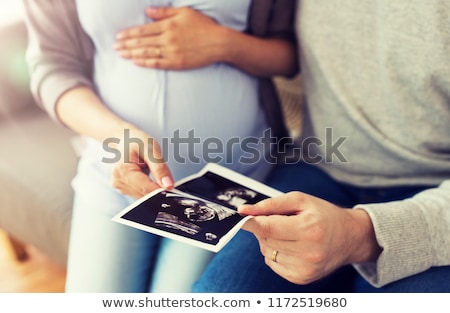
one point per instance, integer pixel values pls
(304, 238)
(140, 156)
(179, 38)
(183, 38)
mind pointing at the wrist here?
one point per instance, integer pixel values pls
(118, 128)
(365, 246)
(227, 47)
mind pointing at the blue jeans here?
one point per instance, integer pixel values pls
(240, 267)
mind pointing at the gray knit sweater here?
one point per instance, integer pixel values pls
(377, 75)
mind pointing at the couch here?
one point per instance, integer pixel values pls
(37, 159)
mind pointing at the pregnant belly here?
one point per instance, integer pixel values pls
(198, 116)
(217, 100)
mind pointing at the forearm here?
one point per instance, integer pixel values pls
(81, 110)
(258, 56)
(412, 233)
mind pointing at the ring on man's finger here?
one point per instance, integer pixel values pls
(158, 52)
(274, 256)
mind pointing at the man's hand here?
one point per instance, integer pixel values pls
(178, 39)
(304, 238)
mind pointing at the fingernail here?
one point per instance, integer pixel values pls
(245, 207)
(167, 182)
(152, 10)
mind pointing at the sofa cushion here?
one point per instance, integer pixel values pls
(292, 101)
(37, 164)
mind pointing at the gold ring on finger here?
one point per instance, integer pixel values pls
(274, 256)
(158, 52)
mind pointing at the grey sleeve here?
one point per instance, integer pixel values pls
(59, 53)
(414, 234)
